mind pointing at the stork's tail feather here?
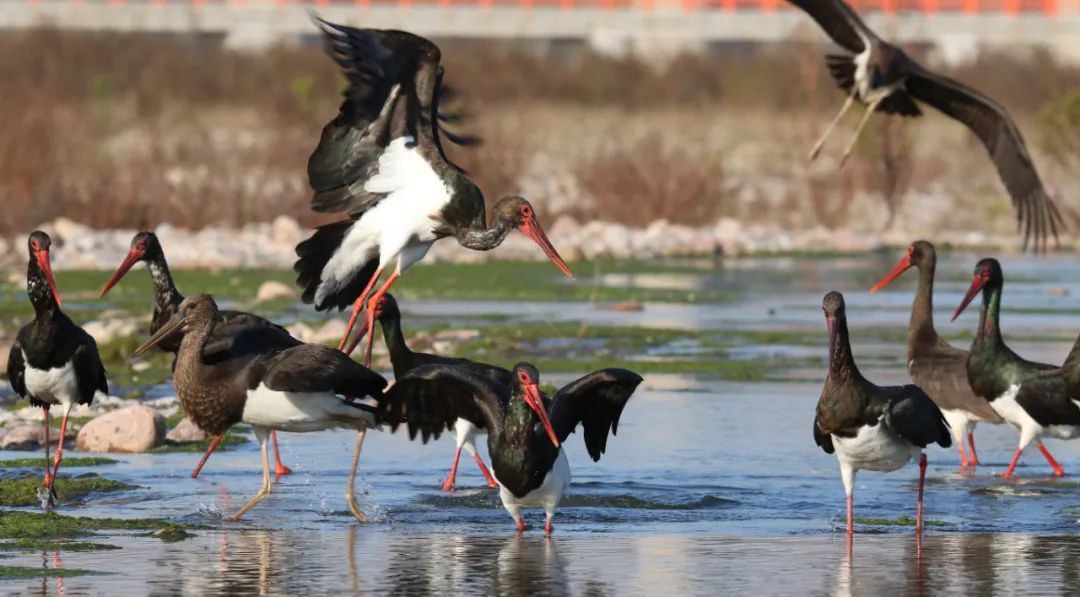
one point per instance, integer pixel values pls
(842, 69)
(314, 253)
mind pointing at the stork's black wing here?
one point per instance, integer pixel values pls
(913, 416)
(1036, 212)
(432, 397)
(318, 368)
(16, 369)
(839, 22)
(89, 371)
(596, 401)
(393, 91)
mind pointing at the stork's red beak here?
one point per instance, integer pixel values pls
(133, 257)
(536, 402)
(901, 267)
(532, 229)
(42, 257)
(976, 285)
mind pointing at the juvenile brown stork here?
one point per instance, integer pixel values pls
(936, 366)
(299, 389)
(235, 330)
(885, 79)
(381, 162)
(53, 361)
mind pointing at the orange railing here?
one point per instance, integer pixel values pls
(1047, 7)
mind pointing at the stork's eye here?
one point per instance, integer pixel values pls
(526, 211)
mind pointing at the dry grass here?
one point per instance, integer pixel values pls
(131, 130)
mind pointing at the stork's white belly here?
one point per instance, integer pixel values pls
(58, 385)
(874, 448)
(401, 224)
(465, 433)
(301, 412)
(547, 495)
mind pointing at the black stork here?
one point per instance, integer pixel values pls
(936, 366)
(1032, 397)
(299, 389)
(876, 428)
(146, 247)
(885, 79)
(404, 360)
(524, 441)
(53, 361)
(381, 161)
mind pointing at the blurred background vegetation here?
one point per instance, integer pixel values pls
(130, 130)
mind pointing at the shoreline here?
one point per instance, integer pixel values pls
(271, 244)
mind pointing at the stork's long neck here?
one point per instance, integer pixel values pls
(400, 354)
(41, 296)
(989, 332)
(921, 326)
(189, 357)
(165, 292)
(841, 362)
(484, 239)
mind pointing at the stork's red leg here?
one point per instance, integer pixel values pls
(448, 485)
(850, 516)
(279, 467)
(484, 469)
(922, 483)
(520, 522)
(371, 314)
(59, 448)
(1012, 465)
(48, 476)
(1058, 471)
(357, 307)
(971, 442)
(547, 527)
(963, 456)
(209, 451)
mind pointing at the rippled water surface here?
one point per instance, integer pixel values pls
(710, 485)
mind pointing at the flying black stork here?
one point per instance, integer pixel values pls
(1032, 397)
(885, 79)
(877, 428)
(381, 161)
(53, 361)
(524, 441)
(300, 389)
(146, 247)
(404, 360)
(936, 366)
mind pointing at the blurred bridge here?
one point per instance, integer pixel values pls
(652, 28)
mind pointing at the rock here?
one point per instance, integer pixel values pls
(331, 331)
(5, 351)
(457, 335)
(274, 290)
(31, 437)
(625, 306)
(130, 429)
(286, 231)
(105, 330)
(186, 431)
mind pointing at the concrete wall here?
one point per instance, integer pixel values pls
(655, 33)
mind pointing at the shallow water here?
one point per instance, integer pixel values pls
(710, 485)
